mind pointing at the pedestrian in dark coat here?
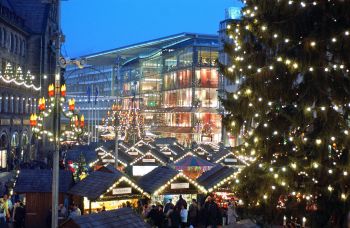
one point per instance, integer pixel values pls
(193, 213)
(181, 202)
(19, 215)
(175, 218)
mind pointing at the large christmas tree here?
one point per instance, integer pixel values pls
(292, 60)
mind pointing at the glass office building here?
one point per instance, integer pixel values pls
(173, 79)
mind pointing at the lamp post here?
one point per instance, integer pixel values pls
(56, 121)
(116, 125)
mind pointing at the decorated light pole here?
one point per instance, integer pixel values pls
(53, 106)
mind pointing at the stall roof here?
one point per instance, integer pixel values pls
(206, 148)
(216, 176)
(156, 178)
(165, 141)
(40, 180)
(123, 217)
(177, 149)
(88, 153)
(95, 184)
(190, 159)
(225, 152)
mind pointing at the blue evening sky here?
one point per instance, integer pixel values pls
(96, 25)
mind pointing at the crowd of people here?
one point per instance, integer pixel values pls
(12, 211)
(182, 215)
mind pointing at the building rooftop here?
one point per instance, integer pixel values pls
(214, 176)
(95, 184)
(123, 217)
(156, 178)
(40, 180)
(147, 48)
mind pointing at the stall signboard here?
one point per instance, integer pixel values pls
(167, 152)
(180, 185)
(101, 152)
(151, 160)
(230, 160)
(108, 160)
(133, 153)
(120, 191)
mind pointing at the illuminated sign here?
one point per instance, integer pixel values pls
(230, 160)
(180, 185)
(110, 160)
(119, 191)
(149, 160)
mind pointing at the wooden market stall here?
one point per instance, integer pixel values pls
(192, 165)
(226, 156)
(108, 189)
(35, 188)
(123, 217)
(107, 157)
(219, 182)
(165, 183)
(151, 159)
(173, 151)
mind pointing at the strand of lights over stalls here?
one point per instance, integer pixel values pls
(103, 156)
(179, 175)
(129, 182)
(148, 153)
(228, 154)
(185, 155)
(224, 181)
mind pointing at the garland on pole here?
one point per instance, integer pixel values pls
(46, 107)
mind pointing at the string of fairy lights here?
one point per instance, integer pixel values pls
(262, 31)
(46, 106)
(17, 78)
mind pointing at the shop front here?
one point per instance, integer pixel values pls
(147, 162)
(164, 183)
(106, 190)
(219, 182)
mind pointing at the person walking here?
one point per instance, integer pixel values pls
(19, 215)
(168, 205)
(193, 213)
(232, 214)
(3, 223)
(183, 215)
(175, 218)
(212, 213)
(181, 202)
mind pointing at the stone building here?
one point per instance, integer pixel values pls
(27, 64)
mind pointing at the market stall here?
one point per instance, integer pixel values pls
(34, 187)
(150, 160)
(111, 190)
(227, 157)
(192, 165)
(219, 182)
(165, 183)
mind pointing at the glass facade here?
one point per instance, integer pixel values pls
(174, 81)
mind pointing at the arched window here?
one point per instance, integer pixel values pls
(23, 51)
(17, 105)
(15, 140)
(12, 42)
(12, 101)
(16, 44)
(1, 36)
(6, 102)
(26, 106)
(1, 103)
